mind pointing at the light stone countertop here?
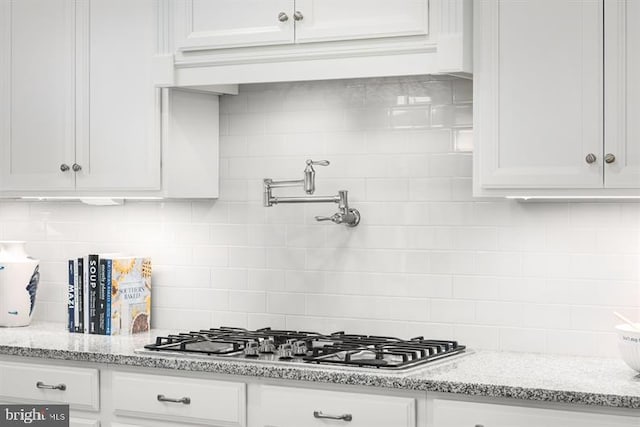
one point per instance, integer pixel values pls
(537, 377)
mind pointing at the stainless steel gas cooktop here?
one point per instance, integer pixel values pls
(339, 348)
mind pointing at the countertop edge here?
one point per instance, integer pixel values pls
(392, 381)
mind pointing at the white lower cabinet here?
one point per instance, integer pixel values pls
(296, 407)
(187, 400)
(81, 422)
(79, 387)
(120, 396)
(467, 414)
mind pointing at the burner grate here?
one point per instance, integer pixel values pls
(337, 348)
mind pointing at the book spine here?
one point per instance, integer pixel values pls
(92, 279)
(80, 296)
(71, 303)
(76, 308)
(85, 292)
(108, 325)
(102, 296)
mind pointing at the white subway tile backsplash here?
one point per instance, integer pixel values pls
(427, 259)
(453, 311)
(286, 303)
(517, 339)
(226, 278)
(247, 257)
(211, 256)
(265, 280)
(247, 301)
(499, 313)
(430, 189)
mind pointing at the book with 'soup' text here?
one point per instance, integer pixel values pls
(120, 300)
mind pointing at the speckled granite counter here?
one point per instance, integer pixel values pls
(579, 380)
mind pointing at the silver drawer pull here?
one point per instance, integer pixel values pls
(42, 385)
(343, 417)
(183, 400)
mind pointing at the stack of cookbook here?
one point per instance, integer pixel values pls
(109, 294)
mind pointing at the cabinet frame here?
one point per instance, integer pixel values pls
(620, 174)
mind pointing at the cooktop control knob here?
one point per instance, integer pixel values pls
(299, 348)
(252, 349)
(285, 351)
(267, 346)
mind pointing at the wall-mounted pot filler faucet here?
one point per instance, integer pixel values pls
(346, 215)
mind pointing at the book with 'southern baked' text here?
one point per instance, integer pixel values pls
(128, 294)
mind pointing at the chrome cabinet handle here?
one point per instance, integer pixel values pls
(591, 158)
(343, 417)
(64, 167)
(183, 400)
(283, 17)
(298, 16)
(76, 167)
(44, 386)
(609, 158)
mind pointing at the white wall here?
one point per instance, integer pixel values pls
(427, 259)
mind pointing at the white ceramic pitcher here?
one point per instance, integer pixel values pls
(19, 276)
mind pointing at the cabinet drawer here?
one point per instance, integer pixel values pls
(455, 414)
(296, 407)
(196, 401)
(77, 387)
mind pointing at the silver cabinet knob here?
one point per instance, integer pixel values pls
(64, 167)
(76, 167)
(298, 16)
(591, 158)
(609, 158)
(283, 17)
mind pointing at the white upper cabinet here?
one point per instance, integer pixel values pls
(37, 94)
(118, 143)
(554, 84)
(249, 41)
(81, 101)
(538, 79)
(622, 94)
(207, 24)
(80, 112)
(330, 20)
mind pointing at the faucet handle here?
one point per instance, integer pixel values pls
(318, 162)
(337, 218)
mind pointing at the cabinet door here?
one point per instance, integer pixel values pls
(118, 144)
(206, 24)
(36, 94)
(538, 99)
(325, 20)
(295, 407)
(622, 93)
(459, 414)
(81, 422)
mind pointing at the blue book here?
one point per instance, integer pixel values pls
(80, 297)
